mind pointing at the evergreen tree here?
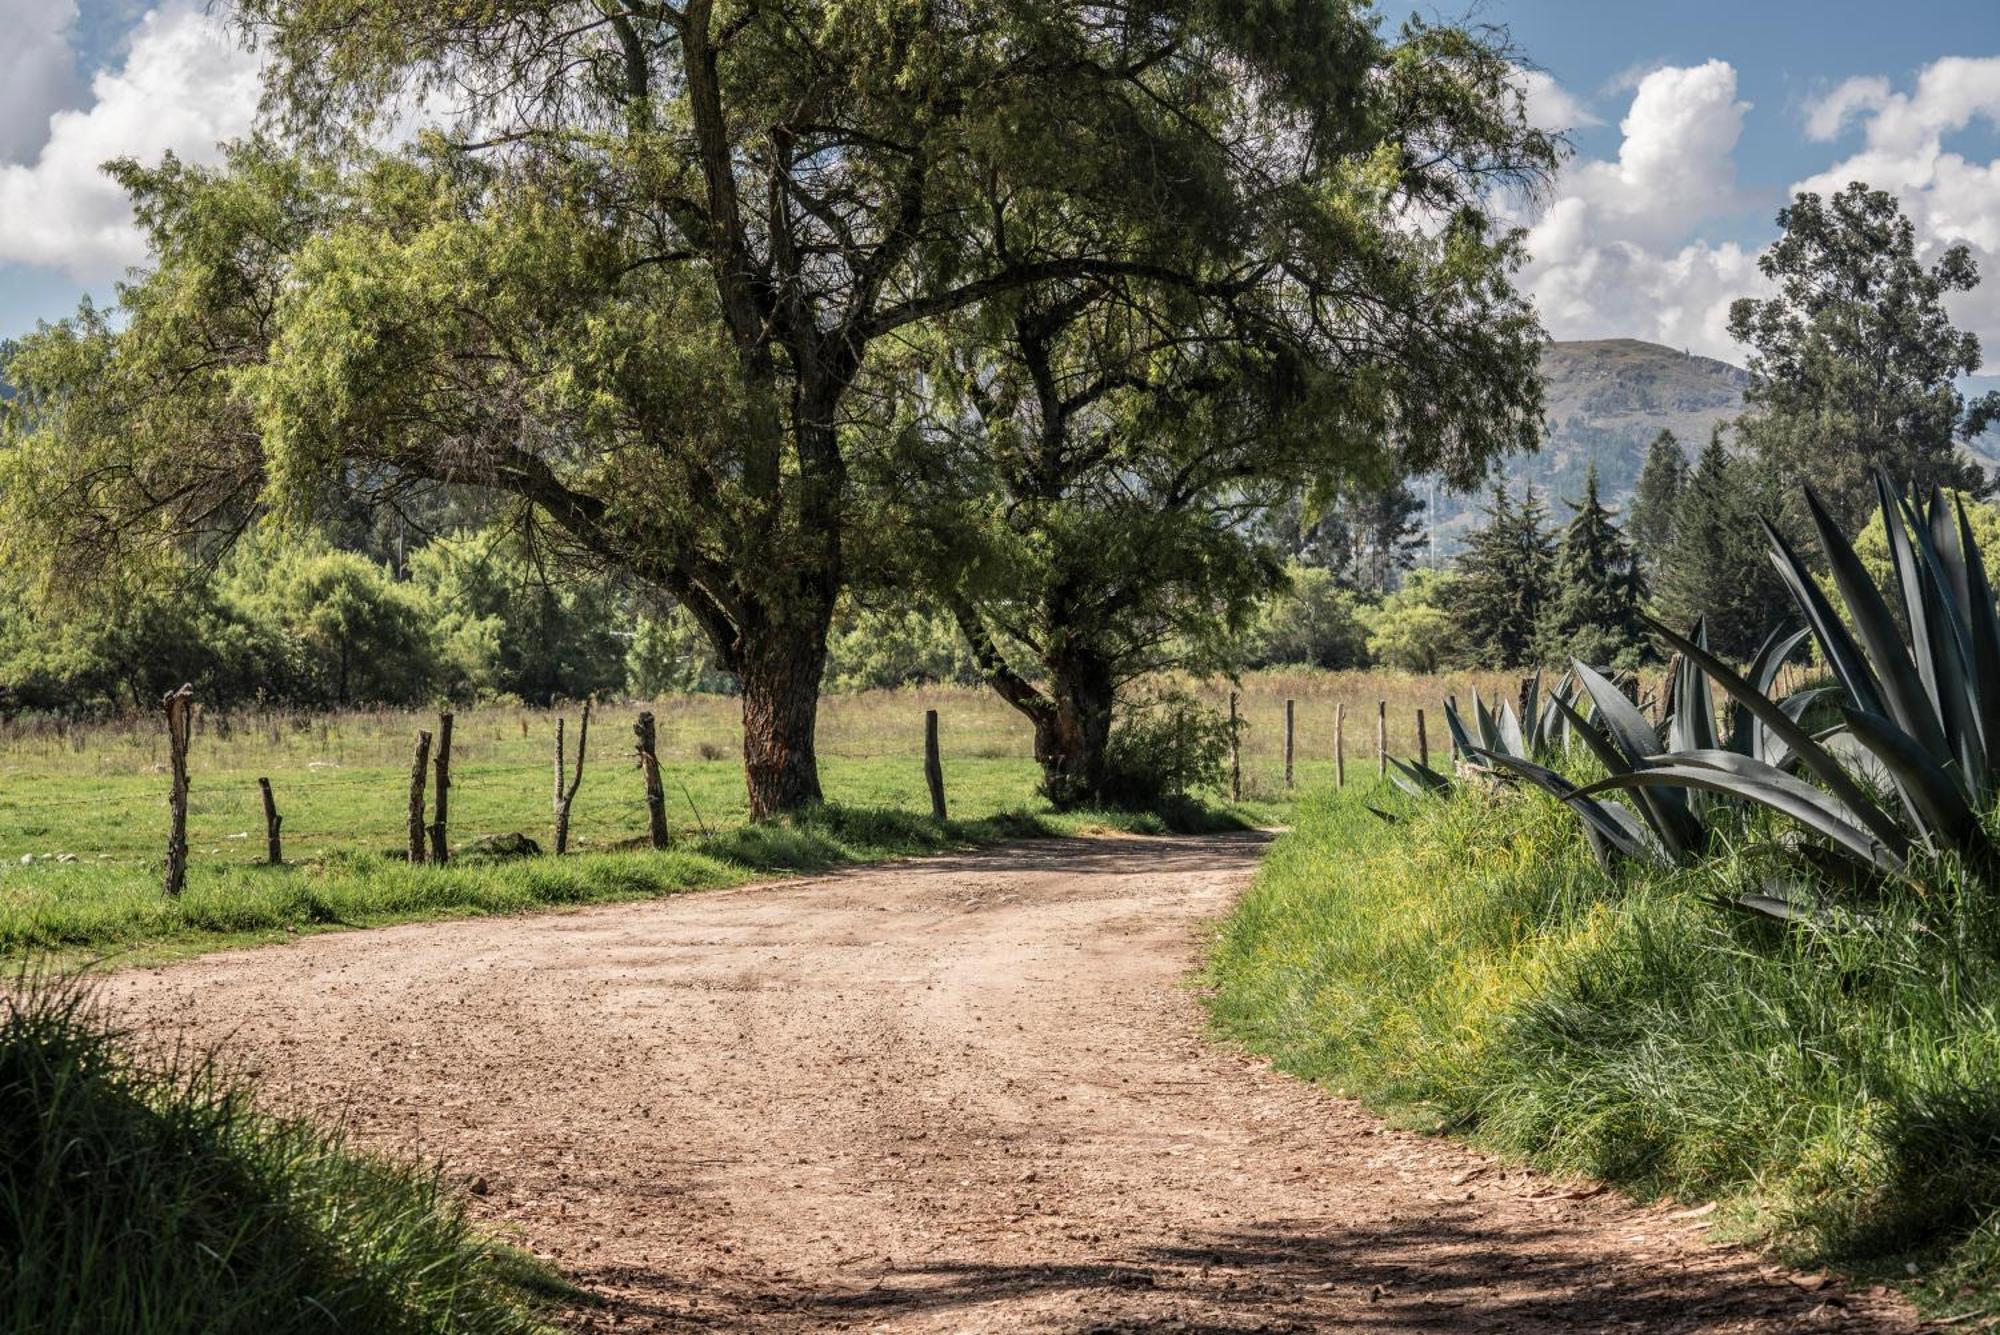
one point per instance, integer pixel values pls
(1593, 612)
(1502, 592)
(1653, 504)
(1714, 565)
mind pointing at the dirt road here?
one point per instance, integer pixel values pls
(963, 1094)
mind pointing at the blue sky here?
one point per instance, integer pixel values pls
(1693, 121)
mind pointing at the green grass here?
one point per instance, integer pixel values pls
(1470, 970)
(83, 809)
(80, 910)
(145, 1198)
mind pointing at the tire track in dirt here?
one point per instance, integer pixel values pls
(967, 1093)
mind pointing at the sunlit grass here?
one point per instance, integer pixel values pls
(1470, 969)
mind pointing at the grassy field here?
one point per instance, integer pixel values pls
(83, 807)
(1471, 970)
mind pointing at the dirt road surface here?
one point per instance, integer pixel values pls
(970, 1093)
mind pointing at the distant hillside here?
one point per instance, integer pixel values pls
(1607, 399)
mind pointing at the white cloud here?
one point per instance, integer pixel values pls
(185, 86)
(1611, 256)
(1950, 199)
(1551, 106)
(38, 74)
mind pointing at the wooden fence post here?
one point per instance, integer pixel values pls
(647, 737)
(933, 765)
(417, 775)
(556, 806)
(1235, 755)
(1423, 742)
(1340, 745)
(180, 709)
(565, 798)
(274, 848)
(1381, 739)
(440, 852)
(1288, 743)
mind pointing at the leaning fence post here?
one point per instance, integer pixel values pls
(274, 848)
(1288, 743)
(417, 768)
(180, 708)
(933, 765)
(1423, 742)
(440, 853)
(557, 829)
(1340, 745)
(1381, 739)
(566, 798)
(1235, 755)
(647, 739)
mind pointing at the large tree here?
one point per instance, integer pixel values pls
(1658, 495)
(1504, 587)
(638, 281)
(1593, 611)
(1855, 360)
(1716, 566)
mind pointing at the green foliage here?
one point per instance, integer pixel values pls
(1656, 501)
(1471, 967)
(1594, 614)
(1504, 589)
(1715, 566)
(895, 646)
(148, 1197)
(1856, 359)
(1165, 747)
(516, 626)
(1414, 628)
(351, 631)
(1311, 621)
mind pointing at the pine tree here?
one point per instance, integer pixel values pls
(1715, 566)
(1660, 482)
(1502, 593)
(1593, 612)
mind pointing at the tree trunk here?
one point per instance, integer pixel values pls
(780, 676)
(1071, 740)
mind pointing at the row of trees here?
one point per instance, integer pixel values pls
(1024, 308)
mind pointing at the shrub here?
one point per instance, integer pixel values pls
(1165, 745)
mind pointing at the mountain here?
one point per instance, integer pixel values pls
(1606, 400)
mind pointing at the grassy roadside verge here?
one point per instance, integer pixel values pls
(78, 911)
(1470, 970)
(152, 1196)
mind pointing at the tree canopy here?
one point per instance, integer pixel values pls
(1855, 359)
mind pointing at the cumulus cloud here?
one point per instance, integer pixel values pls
(1610, 253)
(1551, 106)
(185, 85)
(1905, 150)
(38, 74)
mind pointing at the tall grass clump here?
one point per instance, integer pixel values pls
(1475, 967)
(154, 1197)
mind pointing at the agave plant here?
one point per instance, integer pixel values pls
(1539, 729)
(1920, 700)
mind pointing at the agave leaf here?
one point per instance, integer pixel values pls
(1417, 780)
(1784, 794)
(1459, 735)
(1766, 746)
(1810, 753)
(1666, 811)
(1787, 901)
(1836, 643)
(1938, 635)
(1624, 836)
(1778, 646)
(1983, 630)
(1384, 816)
(1510, 732)
(1531, 714)
(1931, 790)
(1489, 731)
(1902, 684)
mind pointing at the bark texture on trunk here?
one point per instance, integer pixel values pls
(780, 677)
(1073, 735)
